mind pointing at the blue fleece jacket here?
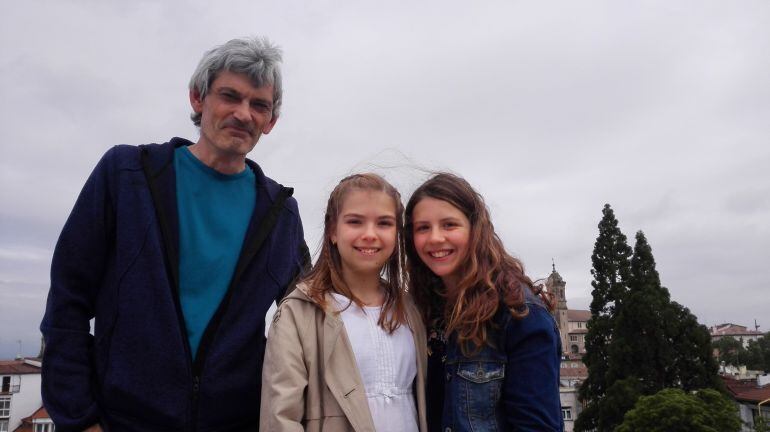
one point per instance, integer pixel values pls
(117, 261)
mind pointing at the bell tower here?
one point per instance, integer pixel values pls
(556, 285)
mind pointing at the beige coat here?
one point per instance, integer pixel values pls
(310, 380)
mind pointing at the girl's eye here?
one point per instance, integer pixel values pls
(386, 223)
(421, 228)
(353, 222)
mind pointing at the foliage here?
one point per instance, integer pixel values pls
(674, 410)
(761, 425)
(611, 271)
(639, 341)
(730, 351)
(621, 397)
(755, 357)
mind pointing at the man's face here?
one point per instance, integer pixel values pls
(234, 114)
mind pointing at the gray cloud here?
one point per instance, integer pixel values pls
(550, 110)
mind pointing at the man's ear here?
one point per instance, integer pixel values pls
(196, 101)
(269, 125)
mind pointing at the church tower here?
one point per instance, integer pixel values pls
(556, 285)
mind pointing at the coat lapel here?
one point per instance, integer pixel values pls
(421, 347)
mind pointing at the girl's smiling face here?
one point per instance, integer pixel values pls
(441, 234)
(365, 231)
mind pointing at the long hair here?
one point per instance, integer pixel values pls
(489, 276)
(326, 274)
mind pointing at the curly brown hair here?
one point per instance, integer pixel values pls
(326, 274)
(490, 276)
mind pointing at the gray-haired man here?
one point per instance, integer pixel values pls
(176, 251)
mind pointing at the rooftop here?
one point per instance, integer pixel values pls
(19, 367)
(730, 329)
(578, 315)
(746, 390)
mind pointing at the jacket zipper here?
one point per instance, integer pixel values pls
(172, 264)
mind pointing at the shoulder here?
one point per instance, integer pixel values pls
(129, 157)
(272, 188)
(538, 322)
(297, 305)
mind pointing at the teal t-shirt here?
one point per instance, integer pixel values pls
(214, 213)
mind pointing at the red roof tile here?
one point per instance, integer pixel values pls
(746, 390)
(17, 367)
(578, 315)
(729, 329)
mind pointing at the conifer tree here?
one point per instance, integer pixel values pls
(656, 344)
(611, 271)
(641, 345)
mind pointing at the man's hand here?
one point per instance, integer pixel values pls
(93, 428)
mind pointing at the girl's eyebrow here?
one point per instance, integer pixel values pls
(362, 216)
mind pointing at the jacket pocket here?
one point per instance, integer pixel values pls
(478, 393)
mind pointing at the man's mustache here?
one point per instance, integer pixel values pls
(235, 123)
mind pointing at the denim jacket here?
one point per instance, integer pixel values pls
(511, 386)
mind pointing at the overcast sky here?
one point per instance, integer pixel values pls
(550, 109)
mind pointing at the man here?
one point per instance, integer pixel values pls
(176, 251)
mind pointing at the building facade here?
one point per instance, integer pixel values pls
(572, 329)
(19, 391)
(735, 331)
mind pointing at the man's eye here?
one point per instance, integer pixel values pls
(230, 96)
(261, 107)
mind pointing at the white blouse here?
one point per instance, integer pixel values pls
(388, 366)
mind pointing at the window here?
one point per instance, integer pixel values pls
(580, 324)
(5, 408)
(566, 413)
(44, 427)
(4, 425)
(573, 338)
(6, 386)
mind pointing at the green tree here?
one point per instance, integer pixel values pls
(674, 410)
(641, 345)
(755, 357)
(611, 271)
(694, 366)
(730, 350)
(758, 354)
(650, 343)
(621, 397)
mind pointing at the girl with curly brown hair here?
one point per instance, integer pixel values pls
(494, 348)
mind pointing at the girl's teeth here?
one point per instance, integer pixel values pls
(439, 254)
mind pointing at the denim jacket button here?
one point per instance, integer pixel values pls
(449, 429)
(448, 376)
(479, 373)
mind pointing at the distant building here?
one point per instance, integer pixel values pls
(19, 391)
(39, 421)
(572, 328)
(735, 331)
(747, 394)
